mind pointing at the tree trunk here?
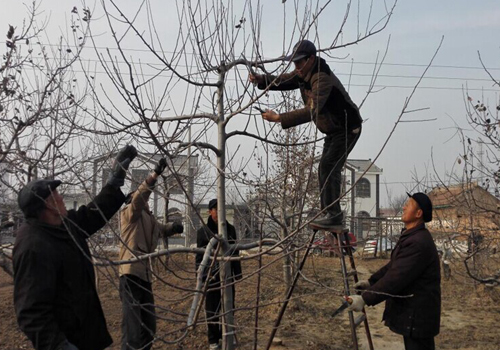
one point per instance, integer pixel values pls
(225, 273)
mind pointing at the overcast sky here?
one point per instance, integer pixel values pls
(415, 32)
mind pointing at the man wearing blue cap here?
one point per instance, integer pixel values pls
(328, 105)
(410, 283)
(55, 297)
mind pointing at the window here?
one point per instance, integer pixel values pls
(363, 188)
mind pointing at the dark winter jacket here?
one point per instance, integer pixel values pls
(326, 102)
(413, 270)
(54, 282)
(204, 235)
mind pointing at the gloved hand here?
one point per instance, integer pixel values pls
(162, 164)
(120, 165)
(361, 285)
(255, 78)
(177, 227)
(66, 345)
(357, 303)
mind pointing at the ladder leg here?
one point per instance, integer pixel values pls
(348, 249)
(347, 292)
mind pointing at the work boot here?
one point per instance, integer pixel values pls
(328, 222)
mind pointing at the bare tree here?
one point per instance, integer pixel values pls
(472, 191)
(211, 50)
(41, 104)
(191, 97)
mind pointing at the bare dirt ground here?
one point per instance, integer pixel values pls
(469, 314)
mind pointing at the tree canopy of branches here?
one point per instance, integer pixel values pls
(178, 92)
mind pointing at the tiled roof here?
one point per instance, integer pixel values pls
(362, 164)
(470, 195)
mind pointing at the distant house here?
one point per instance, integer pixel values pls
(9, 215)
(168, 200)
(463, 208)
(6, 195)
(362, 204)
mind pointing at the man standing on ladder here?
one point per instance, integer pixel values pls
(410, 283)
(328, 105)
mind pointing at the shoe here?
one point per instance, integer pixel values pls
(328, 222)
(214, 346)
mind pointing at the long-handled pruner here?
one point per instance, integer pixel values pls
(345, 304)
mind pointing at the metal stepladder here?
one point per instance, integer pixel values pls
(345, 249)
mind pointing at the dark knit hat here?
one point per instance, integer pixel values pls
(424, 203)
(32, 197)
(212, 204)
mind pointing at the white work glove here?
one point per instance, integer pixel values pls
(357, 303)
(361, 285)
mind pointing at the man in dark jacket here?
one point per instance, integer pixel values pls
(55, 297)
(411, 282)
(328, 105)
(213, 299)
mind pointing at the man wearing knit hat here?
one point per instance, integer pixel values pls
(213, 299)
(55, 297)
(410, 283)
(329, 106)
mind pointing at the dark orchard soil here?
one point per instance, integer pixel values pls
(469, 314)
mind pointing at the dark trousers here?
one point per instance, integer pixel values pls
(419, 343)
(213, 302)
(336, 148)
(139, 318)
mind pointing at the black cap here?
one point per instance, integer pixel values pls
(212, 204)
(424, 203)
(302, 49)
(31, 197)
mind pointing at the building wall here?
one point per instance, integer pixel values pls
(5, 192)
(368, 204)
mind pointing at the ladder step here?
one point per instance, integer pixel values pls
(360, 319)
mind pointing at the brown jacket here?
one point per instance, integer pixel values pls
(140, 232)
(326, 102)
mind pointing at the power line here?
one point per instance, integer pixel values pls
(376, 86)
(396, 76)
(414, 65)
(328, 60)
